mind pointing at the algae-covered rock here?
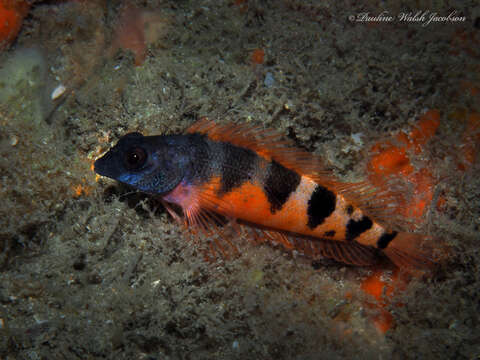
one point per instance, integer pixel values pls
(23, 79)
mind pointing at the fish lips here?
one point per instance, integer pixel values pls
(108, 165)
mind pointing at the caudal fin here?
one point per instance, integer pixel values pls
(409, 252)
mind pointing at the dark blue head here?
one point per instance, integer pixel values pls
(154, 164)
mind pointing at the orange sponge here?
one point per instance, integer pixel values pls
(392, 158)
(12, 13)
(424, 130)
(382, 291)
(258, 56)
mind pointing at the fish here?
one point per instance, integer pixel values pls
(254, 178)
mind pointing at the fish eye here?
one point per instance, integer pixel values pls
(135, 158)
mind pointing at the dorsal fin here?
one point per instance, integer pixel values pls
(267, 143)
(383, 203)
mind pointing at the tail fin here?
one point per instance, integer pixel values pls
(408, 252)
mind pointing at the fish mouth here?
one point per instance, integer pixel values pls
(99, 166)
(104, 166)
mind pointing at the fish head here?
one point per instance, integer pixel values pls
(148, 163)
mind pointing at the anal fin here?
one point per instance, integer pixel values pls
(351, 253)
